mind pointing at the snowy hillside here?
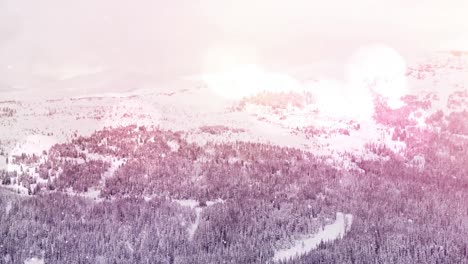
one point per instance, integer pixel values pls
(188, 176)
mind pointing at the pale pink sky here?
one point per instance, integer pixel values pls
(171, 38)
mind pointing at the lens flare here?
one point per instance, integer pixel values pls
(247, 80)
(380, 69)
(338, 99)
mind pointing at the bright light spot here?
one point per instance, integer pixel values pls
(247, 80)
(371, 70)
(379, 69)
(330, 98)
(232, 72)
(337, 99)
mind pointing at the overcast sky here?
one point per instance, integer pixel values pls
(40, 40)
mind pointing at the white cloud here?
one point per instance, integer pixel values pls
(171, 37)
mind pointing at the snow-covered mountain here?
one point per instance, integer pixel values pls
(202, 156)
(286, 118)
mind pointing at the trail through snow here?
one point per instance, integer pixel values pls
(193, 227)
(330, 232)
(195, 205)
(34, 261)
